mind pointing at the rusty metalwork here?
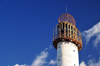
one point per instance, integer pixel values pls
(66, 18)
(67, 31)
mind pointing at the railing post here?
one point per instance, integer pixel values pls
(53, 34)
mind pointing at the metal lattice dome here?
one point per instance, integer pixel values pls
(66, 18)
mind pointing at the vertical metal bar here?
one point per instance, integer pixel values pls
(60, 30)
(70, 31)
(53, 34)
(76, 33)
(56, 31)
(64, 29)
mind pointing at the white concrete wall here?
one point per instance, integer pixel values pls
(67, 54)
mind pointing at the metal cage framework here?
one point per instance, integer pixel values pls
(67, 31)
(66, 18)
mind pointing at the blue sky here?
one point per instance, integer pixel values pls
(26, 31)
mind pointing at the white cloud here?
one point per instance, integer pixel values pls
(83, 63)
(94, 31)
(20, 65)
(97, 40)
(46, 49)
(50, 46)
(89, 55)
(91, 63)
(53, 62)
(40, 59)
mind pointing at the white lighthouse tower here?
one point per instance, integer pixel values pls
(67, 39)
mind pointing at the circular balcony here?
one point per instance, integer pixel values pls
(66, 31)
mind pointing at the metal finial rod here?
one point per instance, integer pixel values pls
(66, 8)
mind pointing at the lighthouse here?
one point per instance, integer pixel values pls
(67, 39)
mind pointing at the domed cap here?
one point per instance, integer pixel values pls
(66, 18)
